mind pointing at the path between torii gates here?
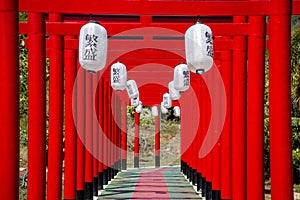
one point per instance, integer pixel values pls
(155, 183)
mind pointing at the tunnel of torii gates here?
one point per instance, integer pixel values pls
(222, 114)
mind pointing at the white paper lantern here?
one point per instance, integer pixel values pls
(167, 100)
(132, 89)
(174, 94)
(118, 76)
(139, 108)
(163, 109)
(135, 102)
(92, 47)
(181, 77)
(154, 111)
(199, 48)
(176, 110)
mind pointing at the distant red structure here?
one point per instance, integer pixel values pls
(147, 36)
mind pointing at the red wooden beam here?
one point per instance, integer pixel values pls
(204, 123)
(70, 134)
(239, 102)
(80, 118)
(9, 102)
(105, 131)
(296, 7)
(226, 132)
(157, 138)
(136, 139)
(114, 28)
(36, 108)
(109, 128)
(124, 135)
(174, 8)
(101, 116)
(216, 184)
(96, 137)
(56, 98)
(255, 108)
(171, 45)
(280, 101)
(119, 134)
(113, 131)
(88, 135)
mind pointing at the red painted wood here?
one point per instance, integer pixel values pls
(80, 119)
(157, 132)
(175, 8)
(239, 102)
(146, 14)
(255, 108)
(216, 176)
(208, 122)
(114, 126)
(101, 126)
(226, 182)
(95, 114)
(119, 131)
(36, 108)
(196, 85)
(105, 126)
(124, 130)
(296, 7)
(70, 134)
(9, 101)
(136, 134)
(125, 28)
(204, 120)
(118, 47)
(146, 187)
(88, 128)
(56, 107)
(109, 125)
(280, 101)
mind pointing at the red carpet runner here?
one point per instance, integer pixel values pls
(151, 184)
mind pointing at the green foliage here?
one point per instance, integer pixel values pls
(23, 60)
(266, 122)
(130, 113)
(146, 119)
(266, 150)
(296, 148)
(169, 126)
(295, 68)
(296, 132)
(296, 165)
(295, 95)
(295, 21)
(22, 16)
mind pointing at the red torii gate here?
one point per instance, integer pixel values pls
(278, 45)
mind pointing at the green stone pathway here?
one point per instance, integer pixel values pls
(146, 183)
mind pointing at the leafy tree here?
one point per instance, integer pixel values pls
(23, 60)
(23, 92)
(295, 68)
(295, 21)
(295, 62)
